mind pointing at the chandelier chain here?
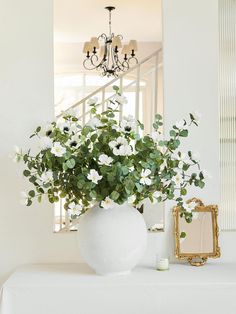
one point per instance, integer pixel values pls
(110, 23)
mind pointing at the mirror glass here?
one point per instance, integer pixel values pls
(154, 216)
(142, 84)
(198, 233)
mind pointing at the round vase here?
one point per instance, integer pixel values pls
(112, 241)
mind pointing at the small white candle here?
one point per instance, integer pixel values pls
(163, 264)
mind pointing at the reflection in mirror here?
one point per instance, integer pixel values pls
(199, 233)
(198, 240)
(154, 216)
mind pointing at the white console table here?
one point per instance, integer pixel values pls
(75, 289)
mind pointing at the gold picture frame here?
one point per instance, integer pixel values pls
(197, 258)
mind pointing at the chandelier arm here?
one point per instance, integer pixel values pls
(92, 63)
(133, 58)
(88, 67)
(118, 63)
(121, 36)
(102, 36)
(94, 60)
(123, 66)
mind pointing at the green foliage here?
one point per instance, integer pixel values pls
(65, 172)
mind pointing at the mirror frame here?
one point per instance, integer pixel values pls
(197, 258)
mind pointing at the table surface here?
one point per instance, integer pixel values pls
(60, 288)
(81, 274)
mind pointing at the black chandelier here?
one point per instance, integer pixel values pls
(103, 53)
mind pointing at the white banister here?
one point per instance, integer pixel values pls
(114, 81)
(137, 94)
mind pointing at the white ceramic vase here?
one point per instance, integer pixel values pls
(112, 241)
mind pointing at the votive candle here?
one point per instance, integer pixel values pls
(163, 264)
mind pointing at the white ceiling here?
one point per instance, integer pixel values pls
(78, 20)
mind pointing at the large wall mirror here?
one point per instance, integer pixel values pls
(75, 23)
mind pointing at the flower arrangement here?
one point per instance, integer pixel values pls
(106, 161)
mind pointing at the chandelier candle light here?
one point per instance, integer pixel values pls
(102, 53)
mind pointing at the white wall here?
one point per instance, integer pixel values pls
(26, 87)
(190, 56)
(191, 79)
(190, 43)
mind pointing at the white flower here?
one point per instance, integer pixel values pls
(94, 123)
(180, 124)
(189, 207)
(197, 116)
(155, 136)
(125, 150)
(163, 165)
(120, 147)
(92, 101)
(128, 124)
(73, 142)
(58, 150)
(46, 176)
(90, 147)
(112, 106)
(131, 199)
(94, 176)
(17, 149)
(74, 128)
(119, 141)
(74, 209)
(195, 156)
(47, 130)
(182, 158)
(45, 142)
(72, 112)
(105, 160)
(115, 127)
(155, 196)
(107, 203)
(24, 198)
(156, 227)
(120, 99)
(18, 155)
(178, 179)
(144, 177)
(206, 174)
(64, 126)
